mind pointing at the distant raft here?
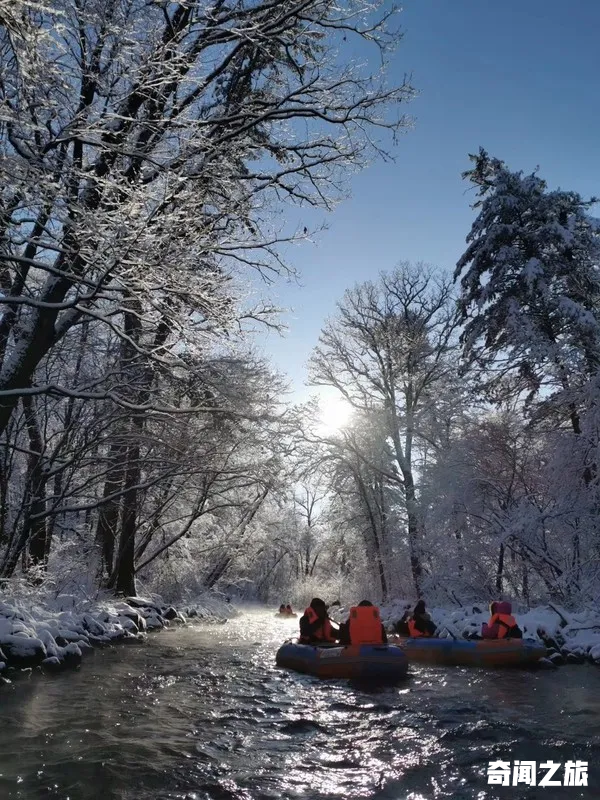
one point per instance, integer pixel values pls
(368, 662)
(288, 614)
(471, 653)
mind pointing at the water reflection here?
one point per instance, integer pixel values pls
(203, 713)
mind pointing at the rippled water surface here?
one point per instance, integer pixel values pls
(203, 712)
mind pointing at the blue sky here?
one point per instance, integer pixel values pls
(518, 77)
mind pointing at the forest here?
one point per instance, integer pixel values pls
(154, 160)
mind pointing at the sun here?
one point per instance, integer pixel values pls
(335, 413)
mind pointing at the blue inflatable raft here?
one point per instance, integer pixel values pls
(370, 662)
(469, 653)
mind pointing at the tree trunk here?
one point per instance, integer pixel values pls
(31, 346)
(108, 517)
(35, 522)
(413, 532)
(525, 583)
(375, 542)
(380, 570)
(405, 464)
(123, 578)
(575, 578)
(500, 570)
(4, 500)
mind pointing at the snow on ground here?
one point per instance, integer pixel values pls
(55, 632)
(571, 637)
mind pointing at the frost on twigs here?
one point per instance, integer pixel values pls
(146, 151)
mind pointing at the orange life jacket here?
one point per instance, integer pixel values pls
(413, 630)
(323, 633)
(364, 625)
(505, 623)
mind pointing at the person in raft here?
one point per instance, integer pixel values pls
(401, 627)
(420, 623)
(315, 625)
(363, 626)
(282, 608)
(288, 609)
(502, 624)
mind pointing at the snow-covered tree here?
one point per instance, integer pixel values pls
(371, 502)
(387, 352)
(145, 152)
(144, 148)
(530, 287)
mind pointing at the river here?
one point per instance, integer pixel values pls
(203, 713)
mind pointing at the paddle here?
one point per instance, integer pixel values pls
(337, 604)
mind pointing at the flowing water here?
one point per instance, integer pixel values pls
(203, 713)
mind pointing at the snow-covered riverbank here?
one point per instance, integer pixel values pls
(55, 633)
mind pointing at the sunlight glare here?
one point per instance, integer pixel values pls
(334, 414)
